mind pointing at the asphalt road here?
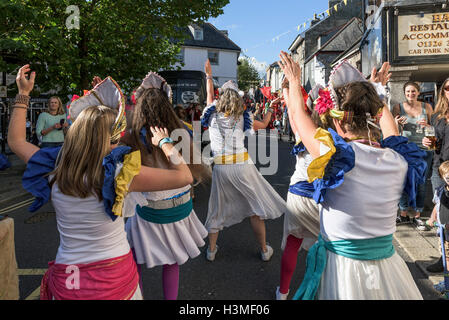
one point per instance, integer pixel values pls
(238, 273)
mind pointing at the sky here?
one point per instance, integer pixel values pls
(252, 25)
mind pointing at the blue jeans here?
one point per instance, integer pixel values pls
(421, 192)
(436, 180)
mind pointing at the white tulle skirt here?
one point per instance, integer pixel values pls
(158, 244)
(349, 279)
(302, 220)
(239, 191)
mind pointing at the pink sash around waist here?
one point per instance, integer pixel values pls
(111, 279)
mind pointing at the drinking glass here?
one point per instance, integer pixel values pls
(418, 126)
(429, 132)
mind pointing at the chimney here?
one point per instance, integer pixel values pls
(225, 32)
(332, 3)
(315, 20)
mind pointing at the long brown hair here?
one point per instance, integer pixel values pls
(442, 107)
(153, 109)
(80, 172)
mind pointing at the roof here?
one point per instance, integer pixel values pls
(212, 38)
(354, 48)
(334, 37)
(295, 44)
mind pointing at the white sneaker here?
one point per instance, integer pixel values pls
(281, 296)
(266, 256)
(210, 255)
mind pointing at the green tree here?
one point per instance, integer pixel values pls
(123, 39)
(247, 75)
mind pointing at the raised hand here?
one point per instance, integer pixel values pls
(291, 69)
(383, 76)
(208, 68)
(158, 135)
(25, 83)
(96, 80)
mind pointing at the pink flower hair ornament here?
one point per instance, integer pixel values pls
(324, 103)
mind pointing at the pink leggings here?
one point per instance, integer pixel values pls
(288, 263)
(170, 279)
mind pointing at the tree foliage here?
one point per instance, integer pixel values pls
(123, 39)
(248, 76)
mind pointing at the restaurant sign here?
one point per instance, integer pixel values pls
(423, 35)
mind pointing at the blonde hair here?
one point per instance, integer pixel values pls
(80, 172)
(444, 169)
(230, 103)
(442, 106)
(60, 108)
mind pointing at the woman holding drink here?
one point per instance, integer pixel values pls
(413, 118)
(439, 122)
(441, 150)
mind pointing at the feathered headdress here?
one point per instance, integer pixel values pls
(154, 81)
(107, 93)
(325, 100)
(232, 86)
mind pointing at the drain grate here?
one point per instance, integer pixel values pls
(39, 217)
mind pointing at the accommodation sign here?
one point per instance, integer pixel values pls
(423, 36)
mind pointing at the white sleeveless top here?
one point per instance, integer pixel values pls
(87, 233)
(226, 134)
(365, 205)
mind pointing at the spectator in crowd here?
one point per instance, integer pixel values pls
(413, 116)
(194, 112)
(181, 113)
(277, 125)
(52, 124)
(440, 214)
(439, 121)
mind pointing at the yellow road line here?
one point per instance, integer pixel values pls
(31, 272)
(35, 295)
(16, 206)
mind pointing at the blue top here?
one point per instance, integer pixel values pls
(43, 162)
(344, 159)
(417, 164)
(341, 162)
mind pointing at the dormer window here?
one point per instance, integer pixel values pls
(197, 32)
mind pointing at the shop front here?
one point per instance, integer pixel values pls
(414, 37)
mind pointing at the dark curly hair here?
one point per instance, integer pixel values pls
(153, 109)
(360, 98)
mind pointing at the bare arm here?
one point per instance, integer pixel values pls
(155, 179)
(210, 82)
(258, 125)
(388, 124)
(299, 117)
(17, 124)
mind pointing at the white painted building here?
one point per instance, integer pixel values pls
(208, 42)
